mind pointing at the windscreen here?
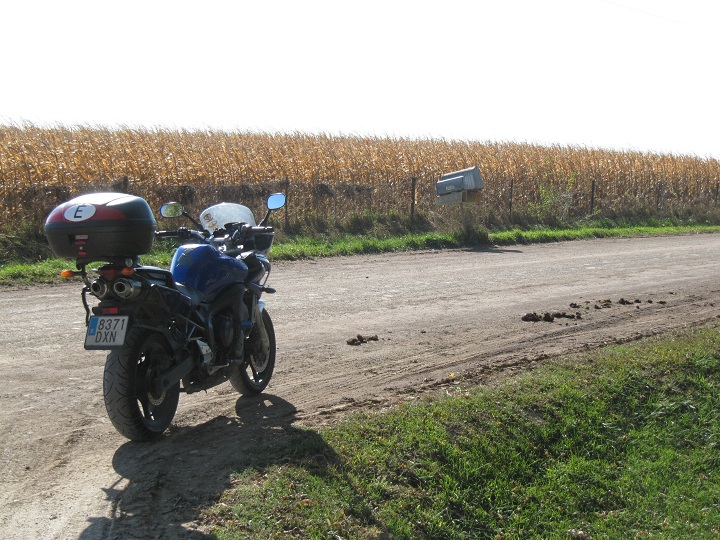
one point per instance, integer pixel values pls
(218, 215)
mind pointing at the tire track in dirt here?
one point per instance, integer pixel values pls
(466, 363)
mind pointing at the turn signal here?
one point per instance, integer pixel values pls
(68, 274)
(127, 271)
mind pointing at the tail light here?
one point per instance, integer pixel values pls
(109, 272)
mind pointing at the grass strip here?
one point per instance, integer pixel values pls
(302, 247)
(616, 443)
(306, 247)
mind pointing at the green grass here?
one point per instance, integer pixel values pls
(306, 247)
(45, 271)
(303, 247)
(618, 443)
(536, 236)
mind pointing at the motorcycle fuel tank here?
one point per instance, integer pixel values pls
(205, 269)
(101, 226)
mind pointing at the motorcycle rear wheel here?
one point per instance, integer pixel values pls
(253, 375)
(134, 406)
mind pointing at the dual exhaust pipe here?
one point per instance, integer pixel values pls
(125, 289)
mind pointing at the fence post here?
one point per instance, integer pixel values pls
(287, 214)
(512, 186)
(592, 197)
(413, 194)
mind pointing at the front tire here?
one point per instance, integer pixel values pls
(136, 409)
(253, 374)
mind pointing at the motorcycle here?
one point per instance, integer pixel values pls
(188, 328)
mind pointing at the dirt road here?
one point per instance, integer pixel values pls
(67, 474)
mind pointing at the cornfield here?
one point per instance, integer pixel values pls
(333, 177)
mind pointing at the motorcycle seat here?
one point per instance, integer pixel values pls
(195, 295)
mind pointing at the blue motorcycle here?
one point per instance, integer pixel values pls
(199, 324)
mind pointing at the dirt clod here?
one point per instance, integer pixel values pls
(360, 339)
(550, 316)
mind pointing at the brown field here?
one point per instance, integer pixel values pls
(333, 177)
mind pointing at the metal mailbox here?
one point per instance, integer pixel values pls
(459, 186)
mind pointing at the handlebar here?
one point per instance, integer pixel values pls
(239, 236)
(183, 233)
(261, 229)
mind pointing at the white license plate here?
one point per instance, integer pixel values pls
(106, 332)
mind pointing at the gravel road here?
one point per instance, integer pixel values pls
(438, 316)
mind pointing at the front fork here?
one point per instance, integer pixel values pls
(263, 338)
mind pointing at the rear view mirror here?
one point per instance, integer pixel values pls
(171, 210)
(276, 201)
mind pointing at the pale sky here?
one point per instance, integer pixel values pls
(619, 74)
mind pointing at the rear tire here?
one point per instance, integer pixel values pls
(135, 408)
(253, 374)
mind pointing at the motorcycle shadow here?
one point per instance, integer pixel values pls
(165, 485)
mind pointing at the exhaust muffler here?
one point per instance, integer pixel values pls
(99, 288)
(127, 289)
